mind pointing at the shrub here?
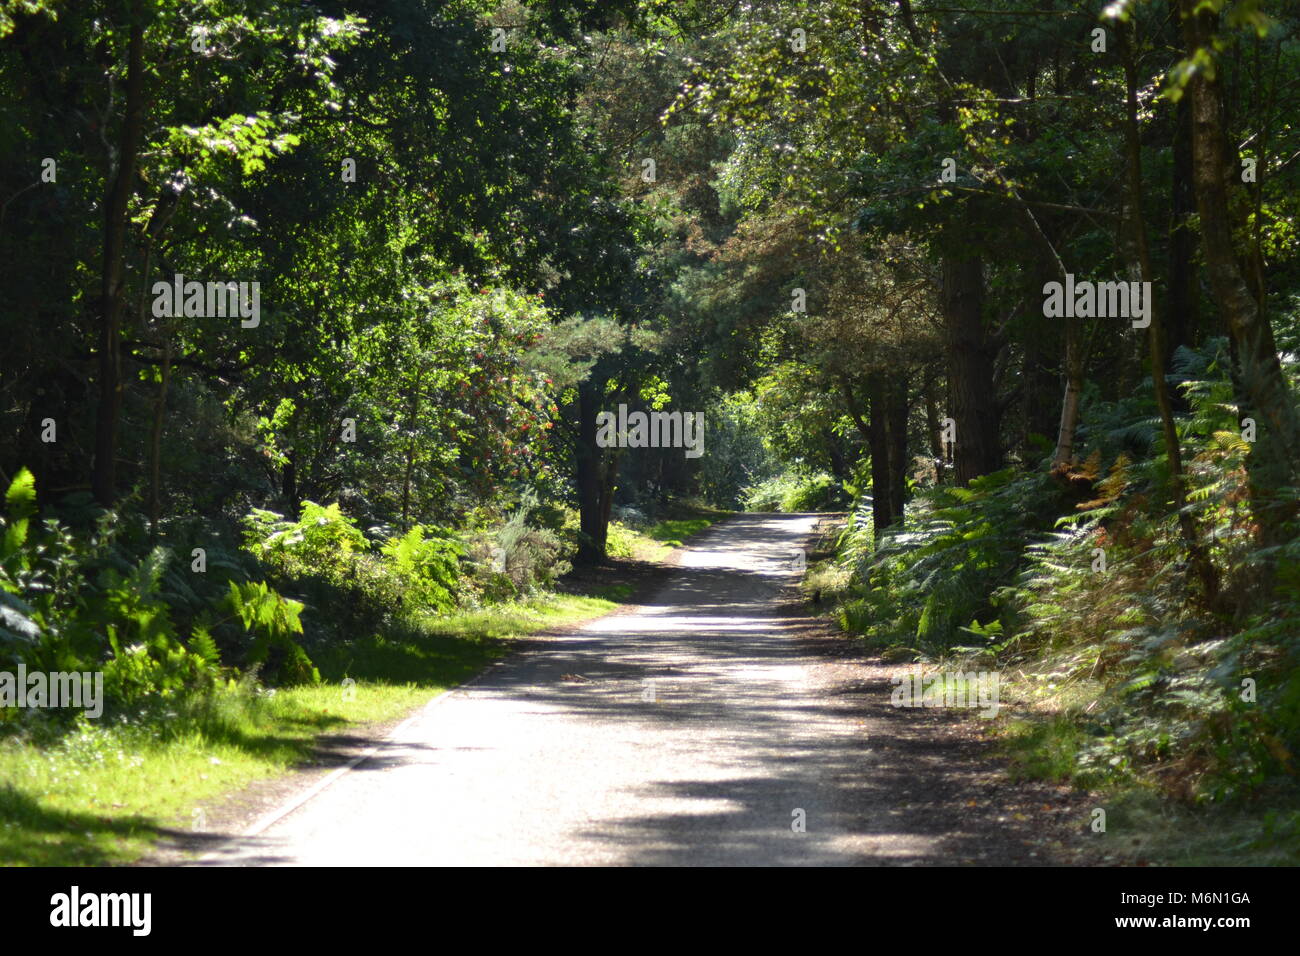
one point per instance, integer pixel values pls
(426, 560)
(327, 561)
(818, 492)
(930, 584)
(322, 539)
(793, 492)
(517, 558)
(81, 602)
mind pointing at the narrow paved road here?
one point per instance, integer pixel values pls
(693, 730)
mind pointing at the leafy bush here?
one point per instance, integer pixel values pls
(792, 492)
(327, 561)
(518, 558)
(272, 620)
(620, 540)
(427, 562)
(81, 602)
(818, 492)
(1200, 699)
(930, 585)
(323, 538)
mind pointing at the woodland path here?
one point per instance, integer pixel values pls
(685, 731)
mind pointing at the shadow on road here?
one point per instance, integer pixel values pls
(716, 724)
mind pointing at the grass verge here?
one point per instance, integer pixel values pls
(654, 542)
(1048, 739)
(100, 792)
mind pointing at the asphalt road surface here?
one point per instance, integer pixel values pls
(692, 730)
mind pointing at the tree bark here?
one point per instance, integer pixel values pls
(1266, 395)
(163, 211)
(1064, 453)
(289, 487)
(156, 433)
(593, 485)
(112, 278)
(1042, 369)
(412, 426)
(1181, 321)
(934, 430)
(970, 359)
(872, 424)
(896, 426)
(882, 514)
(1140, 251)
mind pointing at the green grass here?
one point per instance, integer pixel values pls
(1142, 824)
(655, 541)
(675, 531)
(100, 791)
(618, 593)
(1045, 749)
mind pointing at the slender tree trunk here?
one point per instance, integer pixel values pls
(839, 467)
(410, 457)
(1135, 218)
(1064, 453)
(934, 430)
(406, 485)
(160, 402)
(975, 408)
(113, 275)
(1042, 375)
(896, 424)
(289, 487)
(882, 494)
(162, 214)
(1275, 458)
(156, 433)
(1181, 321)
(871, 425)
(608, 480)
(593, 485)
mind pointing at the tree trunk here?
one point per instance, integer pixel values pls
(112, 278)
(1064, 453)
(970, 359)
(593, 485)
(1040, 388)
(1140, 251)
(289, 488)
(934, 429)
(1181, 322)
(871, 424)
(408, 472)
(163, 211)
(896, 426)
(882, 495)
(155, 437)
(1267, 397)
(839, 467)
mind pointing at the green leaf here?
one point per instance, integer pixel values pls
(21, 496)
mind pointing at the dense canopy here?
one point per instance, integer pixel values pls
(313, 313)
